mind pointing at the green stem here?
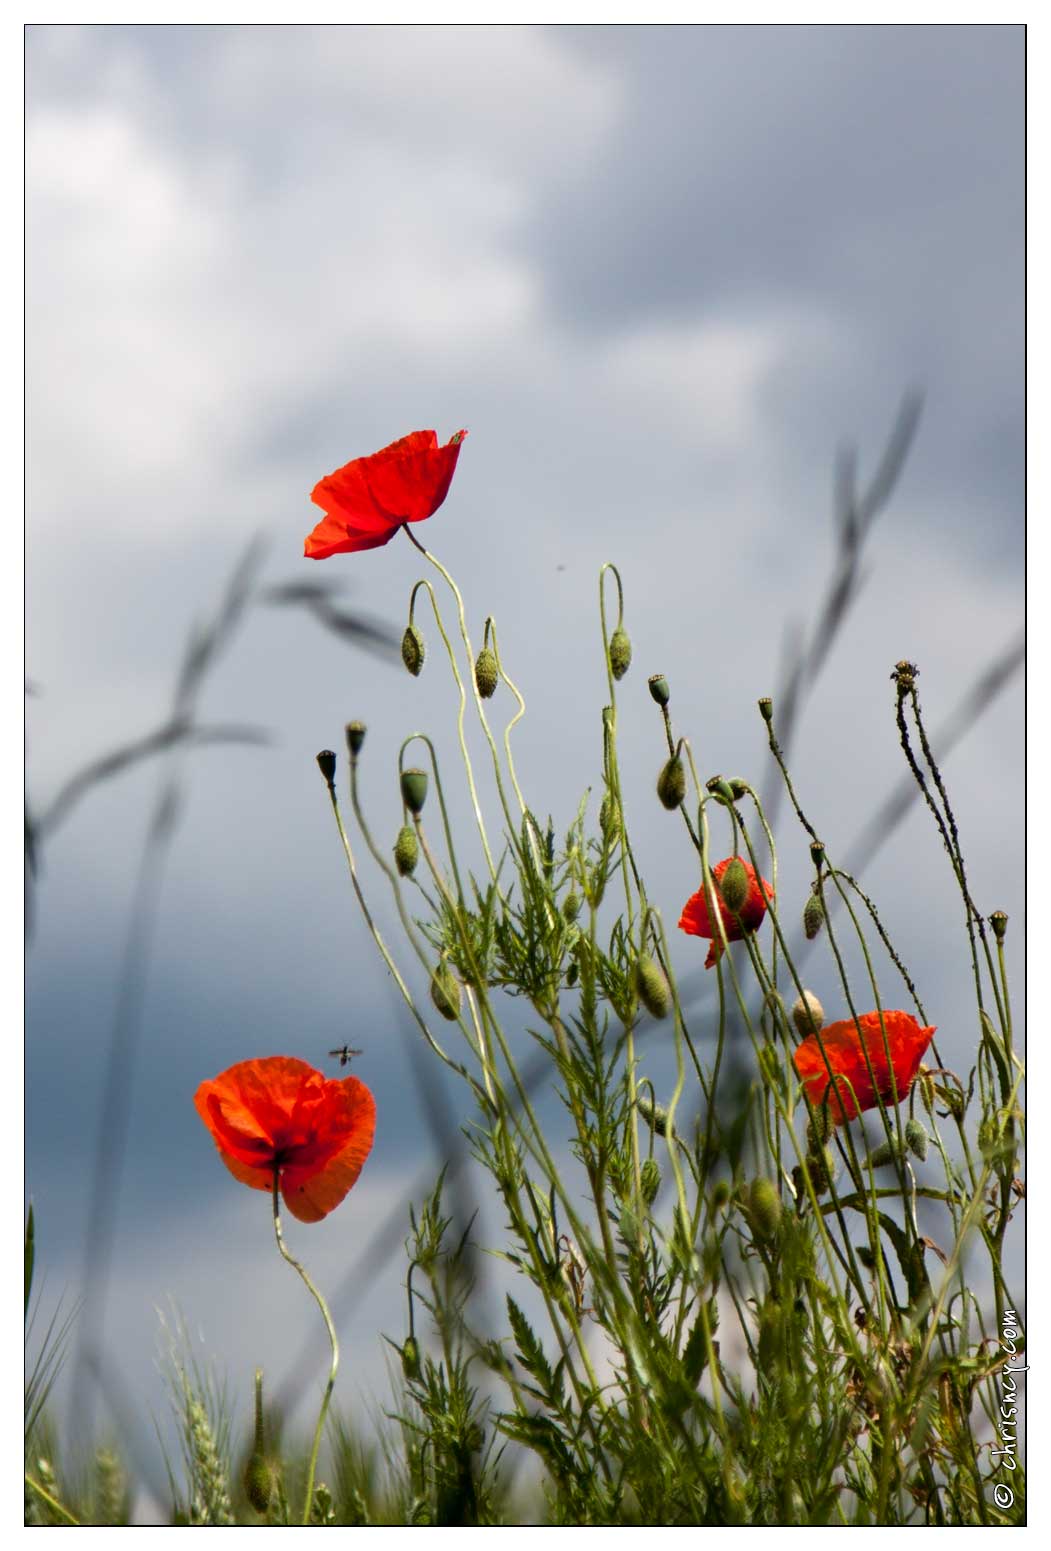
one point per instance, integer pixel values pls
(323, 1306)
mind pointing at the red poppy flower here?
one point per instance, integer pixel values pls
(280, 1112)
(845, 1049)
(367, 500)
(696, 920)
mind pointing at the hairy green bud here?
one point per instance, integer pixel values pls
(671, 783)
(813, 917)
(609, 818)
(764, 1206)
(651, 986)
(886, 1153)
(571, 906)
(445, 993)
(619, 652)
(486, 673)
(406, 851)
(655, 1115)
(916, 1139)
(733, 886)
(650, 1180)
(413, 651)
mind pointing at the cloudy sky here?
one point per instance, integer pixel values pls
(662, 276)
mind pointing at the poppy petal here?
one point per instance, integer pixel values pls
(311, 1195)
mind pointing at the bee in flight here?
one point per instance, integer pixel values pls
(345, 1054)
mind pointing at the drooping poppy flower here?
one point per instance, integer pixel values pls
(697, 922)
(845, 1049)
(280, 1112)
(367, 500)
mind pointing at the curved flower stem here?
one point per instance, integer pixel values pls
(323, 1306)
(385, 951)
(459, 682)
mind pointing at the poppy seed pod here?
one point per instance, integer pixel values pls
(659, 689)
(619, 652)
(733, 886)
(413, 651)
(414, 789)
(916, 1139)
(764, 1206)
(486, 673)
(326, 763)
(355, 738)
(998, 922)
(813, 917)
(808, 1015)
(766, 709)
(406, 851)
(651, 986)
(671, 783)
(445, 993)
(650, 1180)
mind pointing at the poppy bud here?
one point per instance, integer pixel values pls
(770, 1346)
(619, 652)
(733, 886)
(766, 709)
(326, 763)
(720, 1195)
(998, 922)
(486, 673)
(819, 1130)
(609, 819)
(916, 1139)
(406, 851)
(764, 1206)
(808, 1014)
(413, 650)
(988, 1138)
(865, 1255)
(410, 1359)
(738, 789)
(259, 1481)
(659, 689)
(671, 783)
(571, 906)
(414, 789)
(654, 1115)
(821, 1167)
(886, 1152)
(445, 993)
(355, 738)
(650, 1180)
(651, 986)
(572, 974)
(813, 916)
